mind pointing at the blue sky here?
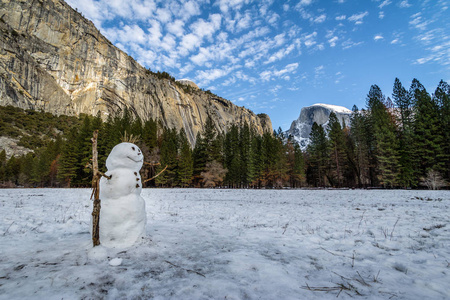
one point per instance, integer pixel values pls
(276, 57)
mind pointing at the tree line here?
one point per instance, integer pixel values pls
(396, 142)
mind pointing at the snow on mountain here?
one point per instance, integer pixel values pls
(335, 108)
(301, 128)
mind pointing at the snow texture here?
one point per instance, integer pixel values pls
(335, 108)
(122, 214)
(231, 244)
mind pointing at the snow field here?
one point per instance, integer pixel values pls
(231, 244)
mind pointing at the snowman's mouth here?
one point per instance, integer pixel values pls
(137, 161)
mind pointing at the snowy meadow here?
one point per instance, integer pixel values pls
(231, 244)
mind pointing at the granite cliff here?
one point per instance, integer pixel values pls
(53, 59)
(319, 113)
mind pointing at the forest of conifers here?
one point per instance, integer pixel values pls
(398, 142)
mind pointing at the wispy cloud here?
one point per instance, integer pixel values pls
(418, 22)
(269, 74)
(378, 37)
(358, 18)
(404, 4)
(384, 3)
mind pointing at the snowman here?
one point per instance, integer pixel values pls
(122, 214)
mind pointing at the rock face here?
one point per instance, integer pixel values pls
(53, 59)
(319, 113)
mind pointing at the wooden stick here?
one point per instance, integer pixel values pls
(96, 192)
(156, 174)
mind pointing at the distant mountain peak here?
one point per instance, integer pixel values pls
(301, 128)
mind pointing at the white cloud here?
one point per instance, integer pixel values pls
(384, 3)
(381, 15)
(341, 18)
(267, 75)
(305, 2)
(163, 15)
(280, 54)
(378, 37)
(418, 22)
(155, 34)
(404, 4)
(201, 28)
(204, 77)
(333, 41)
(227, 5)
(395, 41)
(320, 19)
(176, 27)
(350, 44)
(309, 40)
(358, 18)
(273, 19)
(188, 43)
(127, 34)
(190, 9)
(168, 43)
(243, 22)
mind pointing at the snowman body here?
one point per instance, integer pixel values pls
(122, 215)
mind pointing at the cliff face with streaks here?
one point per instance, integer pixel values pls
(53, 59)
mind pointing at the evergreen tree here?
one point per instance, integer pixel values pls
(169, 155)
(384, 156)
(232, 157)
(428, 140)
(185, 166)
(69, 159)
(318, 153)
(244, 155)
(404, 103)
(337, 149)
(12, 170)
(442, 98)
(258, 161)
(200, 157)
(2, 165)
(296, 164)
(150, 134)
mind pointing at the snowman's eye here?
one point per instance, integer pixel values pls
(133, 148)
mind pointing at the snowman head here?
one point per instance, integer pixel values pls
(125, 155)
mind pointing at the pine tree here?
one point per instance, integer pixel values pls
(258, 162)
(199, 156)
(337, 149)
(150, 134)
(358, 146)
(403, 101)
(69, 159)
(232, 157)
(383, 143)
(296, 164)
(442, 98)
(428, 140)
(185, 166)
(2, 165)
(318, 152)
(12, 170)
(169, 154)
(245, 157)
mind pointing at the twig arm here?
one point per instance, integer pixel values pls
(156, 174)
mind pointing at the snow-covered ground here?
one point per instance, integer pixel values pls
(231, 244)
